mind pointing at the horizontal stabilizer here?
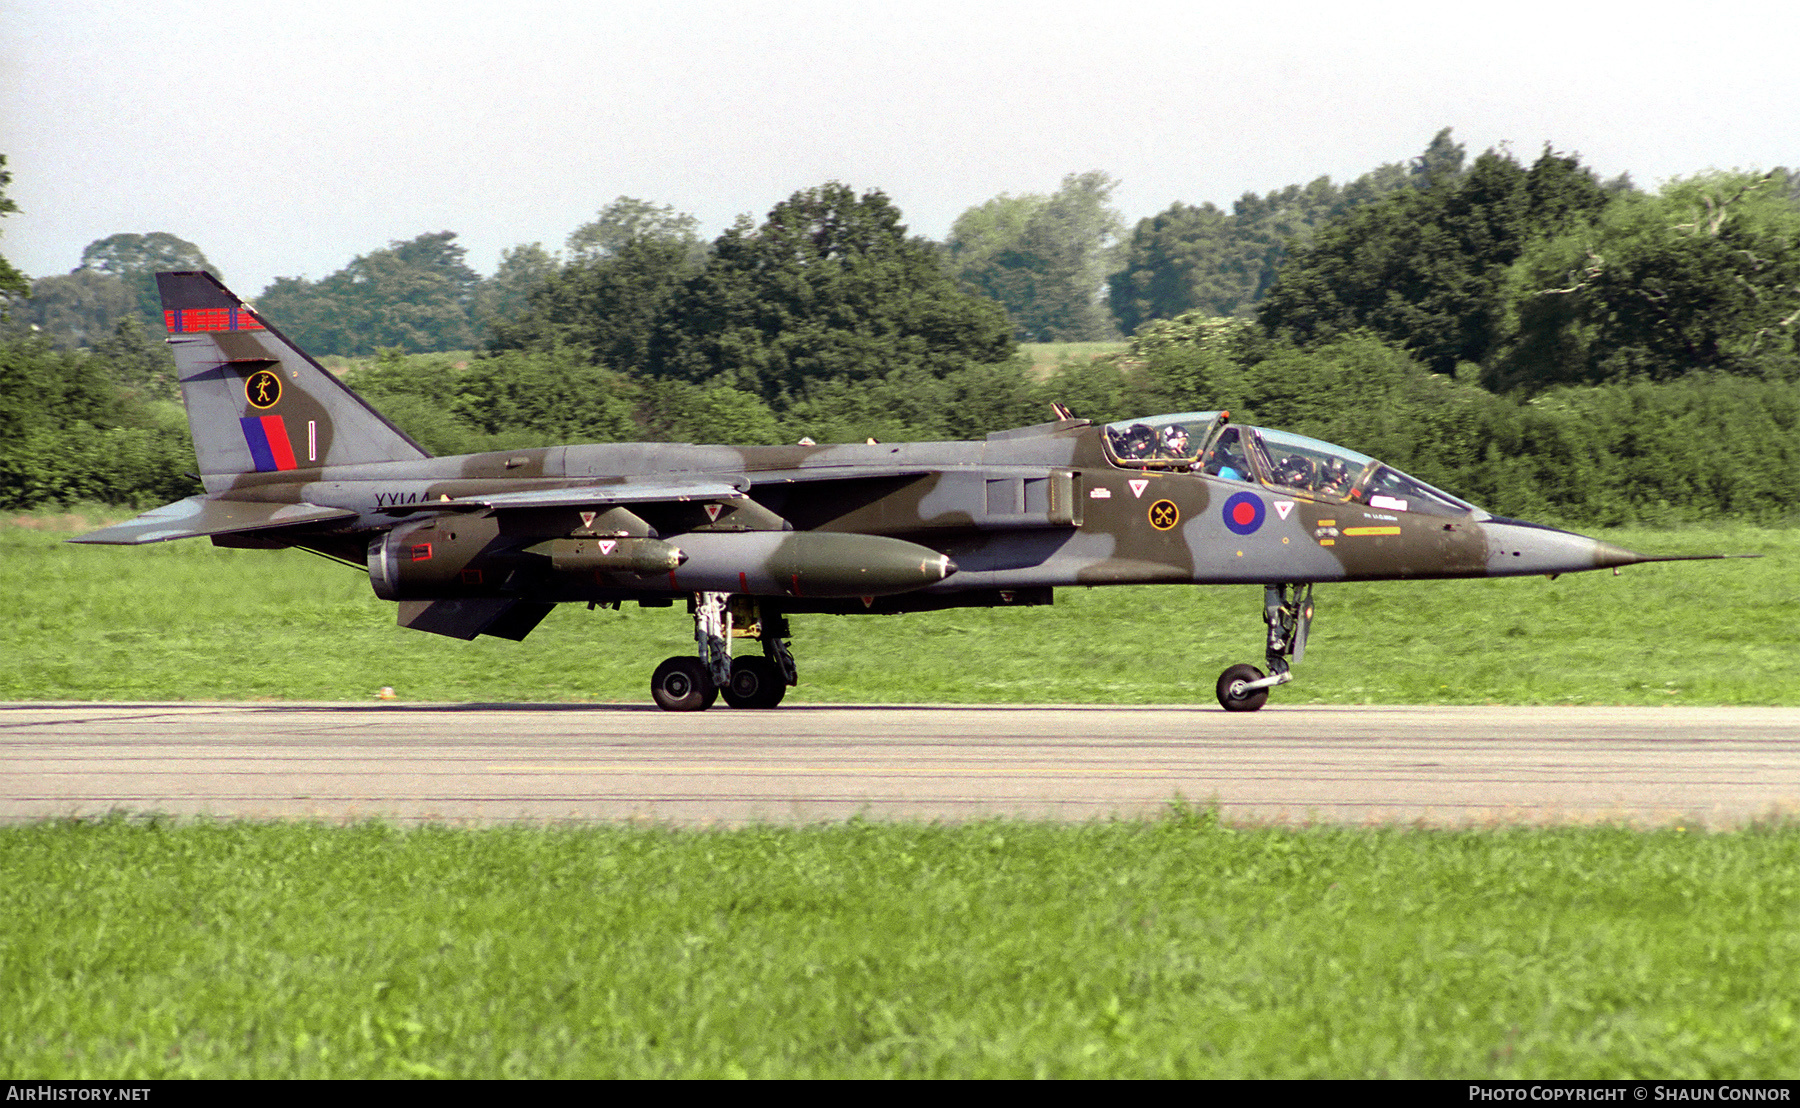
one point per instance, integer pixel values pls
(203, 515)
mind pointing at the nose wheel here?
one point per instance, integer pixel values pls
(1288, 610)
(1235, 693)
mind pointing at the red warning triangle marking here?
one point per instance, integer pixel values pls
(1138, 486)
(1283, 507)
(587, 519)
(607, 545)
(713, 510)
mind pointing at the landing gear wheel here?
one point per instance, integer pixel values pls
(1232, 696)
(683, 685)
(755, 683)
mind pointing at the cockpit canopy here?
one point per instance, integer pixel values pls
(1207, 442)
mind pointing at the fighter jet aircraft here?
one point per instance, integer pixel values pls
(488, 544)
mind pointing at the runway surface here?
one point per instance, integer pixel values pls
(486, 763)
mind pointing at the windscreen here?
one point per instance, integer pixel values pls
(1278, 459)
(1158, 442)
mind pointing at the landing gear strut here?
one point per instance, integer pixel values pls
(1288, 610)
(692, 684)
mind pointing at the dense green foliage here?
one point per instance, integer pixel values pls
(137, 259)
(606, 301)
(76, 309)
(1171, 947)
(13, 284)
(1424, 267)
(453, 404)
(829, 288)
(1703, 277)
(1541, 277)
(605, 308)
(1198, 258)
(826, 299)
(1043, 258)
(101, 426)
(415, 295)
(115, 282)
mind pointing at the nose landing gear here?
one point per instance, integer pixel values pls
(1288, 610)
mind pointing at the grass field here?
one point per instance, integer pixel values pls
(1164, 948)
(1049, 358)
(189, 621)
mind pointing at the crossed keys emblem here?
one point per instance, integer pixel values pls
(1164, 515)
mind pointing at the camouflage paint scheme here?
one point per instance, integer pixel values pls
(488, 543)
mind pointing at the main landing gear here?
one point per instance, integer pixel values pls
(1288, 610)
(692, 684)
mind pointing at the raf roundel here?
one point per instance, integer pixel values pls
(1244, 513)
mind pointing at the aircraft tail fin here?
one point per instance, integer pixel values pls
(257, 403)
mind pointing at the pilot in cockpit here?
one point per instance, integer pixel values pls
(1135, 443)
(1295, 471)
(1335, 481)
(1226, 458)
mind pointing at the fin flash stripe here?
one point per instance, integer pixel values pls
(267, 438)
(187, 320)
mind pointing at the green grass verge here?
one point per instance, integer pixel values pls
(1166, 948)
(1050, 358)
(189, 621)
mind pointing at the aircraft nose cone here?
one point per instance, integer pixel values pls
(1518, 549)
(1607, 555)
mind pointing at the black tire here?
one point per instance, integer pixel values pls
(755, 683)
(682, 685)
(1234, 700)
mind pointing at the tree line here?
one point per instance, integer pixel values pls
(1543, 342)
(1054, 262)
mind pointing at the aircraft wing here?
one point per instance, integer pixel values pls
(202, 515)
(583, 496)
(847, 472)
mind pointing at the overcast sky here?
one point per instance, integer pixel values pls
(284, 138)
